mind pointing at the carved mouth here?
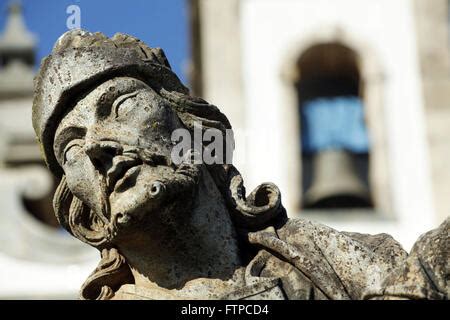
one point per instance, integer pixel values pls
(120, 170)
(128, 179)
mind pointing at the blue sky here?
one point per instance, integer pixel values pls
(159, 23)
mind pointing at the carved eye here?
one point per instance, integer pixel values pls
(72, 150)
(124, 108)
(124, 104)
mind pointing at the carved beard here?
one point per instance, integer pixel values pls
(170, 192)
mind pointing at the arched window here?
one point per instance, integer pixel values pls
(334, 141)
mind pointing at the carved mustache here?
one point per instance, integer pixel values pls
(126, 166)
(120, 170)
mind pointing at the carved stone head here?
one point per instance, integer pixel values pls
(104, 112)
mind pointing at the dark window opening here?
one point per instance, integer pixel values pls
(335, 146)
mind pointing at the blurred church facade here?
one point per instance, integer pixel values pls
(344, 104)
(38, 260)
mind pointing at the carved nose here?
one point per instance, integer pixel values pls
(102, 153)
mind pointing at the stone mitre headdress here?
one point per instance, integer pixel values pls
(82, 60)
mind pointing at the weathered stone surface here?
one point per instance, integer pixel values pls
(104, 112)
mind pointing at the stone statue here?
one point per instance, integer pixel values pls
(104, 111)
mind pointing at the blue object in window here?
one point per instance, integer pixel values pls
(334, 123)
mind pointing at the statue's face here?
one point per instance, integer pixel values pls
(114, 147)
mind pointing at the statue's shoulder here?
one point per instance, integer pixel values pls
(342, 264)
(382, 244)
(433, 246)
(432, 252)
(425, 273)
